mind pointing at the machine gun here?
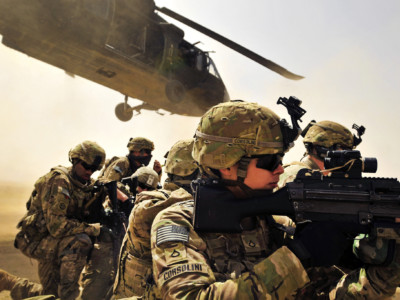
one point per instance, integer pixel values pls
(370, 204)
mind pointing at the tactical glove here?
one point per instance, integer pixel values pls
(374, 250)
(320, 243)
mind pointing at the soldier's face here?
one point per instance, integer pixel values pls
(83, 173)
(142, 153)
(257, 178)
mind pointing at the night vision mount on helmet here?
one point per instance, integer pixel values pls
(234, 132)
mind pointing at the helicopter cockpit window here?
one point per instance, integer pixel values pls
(201, 61)
(212, 67)
(101, 8)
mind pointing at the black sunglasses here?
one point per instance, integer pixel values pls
(269, 162)
(92, 168)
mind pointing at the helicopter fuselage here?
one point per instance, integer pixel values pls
(119, 44)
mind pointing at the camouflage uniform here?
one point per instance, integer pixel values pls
(247, 265)
(135, 269)
(53, 230)
(20, 288)
(321, 136)
(119, 167)
(250, 265)
(254, 264)
(135, 276)
(371, 282)
(293, 168)
(99, 275)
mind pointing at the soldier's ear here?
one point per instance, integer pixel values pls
(228, 173)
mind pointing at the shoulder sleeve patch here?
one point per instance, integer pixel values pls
(199, 268)
(118, 169)
(64, 191)
(172, 233)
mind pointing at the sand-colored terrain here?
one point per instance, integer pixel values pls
(13, 197)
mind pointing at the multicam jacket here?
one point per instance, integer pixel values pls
(56, 208)
(251, 265)
(293, 168)
(116, 169)
(134, 277)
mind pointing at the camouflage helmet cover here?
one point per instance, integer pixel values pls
(328, 134)
(147, 176)
(179, 160)
(89, 152)
(231, 130)
(139, 143)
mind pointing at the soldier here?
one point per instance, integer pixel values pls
(147, 179)
(134, 276)
(98, 276)
(139, 155)
(53, 230)
(319, 138)
(240, 146)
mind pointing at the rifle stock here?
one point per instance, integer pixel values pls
(217, 209)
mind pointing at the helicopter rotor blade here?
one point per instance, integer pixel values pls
(231, 44)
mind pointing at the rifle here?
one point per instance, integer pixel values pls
(115, 220)
(110, 217)
(370, 204)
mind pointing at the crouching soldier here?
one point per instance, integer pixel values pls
(53, 231)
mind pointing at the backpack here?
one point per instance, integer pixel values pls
(32, 227)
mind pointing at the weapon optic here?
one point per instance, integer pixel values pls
(371, 204)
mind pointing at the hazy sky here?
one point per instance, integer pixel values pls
(347, 50)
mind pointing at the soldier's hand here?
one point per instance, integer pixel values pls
(94, 229)
(374, 250)
(157, 167)
(121, 196)
(320, 243)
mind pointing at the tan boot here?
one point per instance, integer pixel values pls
(7, 280)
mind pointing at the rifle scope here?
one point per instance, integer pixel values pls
(339, 158)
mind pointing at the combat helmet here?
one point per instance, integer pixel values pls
(180, 166)
(328, 135)
(140, 143)
(179, 160)
(235, 131)
(146, 178)
(90, 153)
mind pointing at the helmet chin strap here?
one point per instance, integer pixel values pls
(238, 187)
(242, 168)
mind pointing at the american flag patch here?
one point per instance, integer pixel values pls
(172, 233)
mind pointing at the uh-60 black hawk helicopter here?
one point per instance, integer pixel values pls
(124, 45)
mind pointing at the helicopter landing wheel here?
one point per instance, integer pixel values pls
(175, 91)
(123, 112)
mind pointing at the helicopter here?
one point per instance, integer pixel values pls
(124, 45)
